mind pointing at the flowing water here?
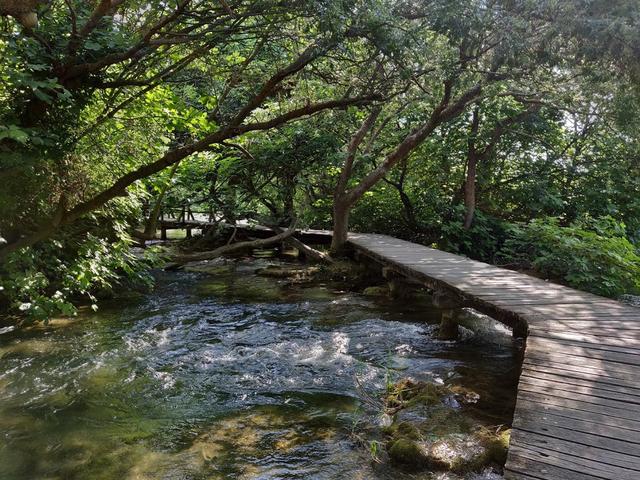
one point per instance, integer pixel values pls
(228, 376)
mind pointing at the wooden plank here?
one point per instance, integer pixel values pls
(521, 460)
(608, 406)
(545, 385)
(580, 410)
(592, 329)
(588, 433)
(577, 449)
(536, 345)
(577, 363)
(585, 373)
(573, 341)
(568, 378)
(578, 459)
(606, 308)
(615, 339)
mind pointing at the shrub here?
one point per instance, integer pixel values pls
(482, 241)
(49, 278)
(590, 254)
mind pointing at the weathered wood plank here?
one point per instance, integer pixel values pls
(583, 372)
(584, 364)
(537, 345)
(521, 460)
(588, 403)
(577, 460)
(569, 378)
(577, 449)
(605, 342)
(533, 383)
(580, 410)
(600, 436)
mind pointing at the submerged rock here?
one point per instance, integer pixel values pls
(381, 291)
(217, 266)
(408, 453)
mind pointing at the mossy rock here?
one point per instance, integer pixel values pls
(402, 429)
(346, 272)
(495, 443)
(408, 392)
(212, 268)
(427, 432)
(407, 453)
(376, 292)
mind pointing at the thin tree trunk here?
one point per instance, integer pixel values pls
(152, 221)
(470, 191)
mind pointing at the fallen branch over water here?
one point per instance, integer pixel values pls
(309, 252)
(180, 260)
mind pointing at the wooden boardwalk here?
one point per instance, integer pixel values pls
(577, 413)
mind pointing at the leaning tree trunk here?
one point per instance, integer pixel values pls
(181, 259)
(152, 221)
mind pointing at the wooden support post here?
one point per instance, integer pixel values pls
(520, 328)
(163, 233)
(188, 233)
(450, 306)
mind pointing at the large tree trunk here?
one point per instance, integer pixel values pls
(470, 191)
(341, 211)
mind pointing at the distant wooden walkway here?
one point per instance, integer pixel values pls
(577, 413)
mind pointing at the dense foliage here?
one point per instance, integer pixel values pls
(493, 129)
(590, 255)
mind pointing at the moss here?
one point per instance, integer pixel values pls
(351, 274)
(406, 393)
(376, 292)
(445, 421)
(495, 443)
(402, 430)
(406, 452)
(428, 433)
(296, 273)
(210, 268)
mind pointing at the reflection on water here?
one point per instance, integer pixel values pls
(226, 376)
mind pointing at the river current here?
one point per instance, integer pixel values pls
(230, 376)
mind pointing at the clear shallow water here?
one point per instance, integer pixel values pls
(227, 376)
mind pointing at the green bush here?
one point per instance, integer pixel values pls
(482, 241)
(48, 279)
(590, 254)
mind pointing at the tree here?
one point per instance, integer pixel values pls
(158, 46)
(463, 62)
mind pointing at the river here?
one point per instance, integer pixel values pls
(231, 376)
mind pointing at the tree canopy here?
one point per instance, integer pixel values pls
(505, 130)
